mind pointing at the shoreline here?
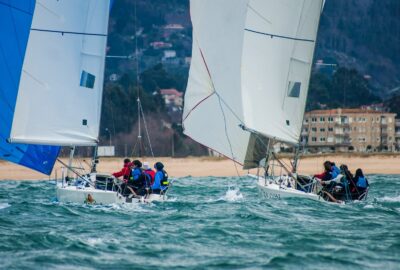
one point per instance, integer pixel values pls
(386, 164)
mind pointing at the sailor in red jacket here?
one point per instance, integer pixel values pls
(125, 171)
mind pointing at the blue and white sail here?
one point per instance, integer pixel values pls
(15, 24)
(51, 77)
(61, 85)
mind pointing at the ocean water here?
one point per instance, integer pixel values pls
(202, 226)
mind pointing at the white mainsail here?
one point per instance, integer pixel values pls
(250, 68)
(60, 93)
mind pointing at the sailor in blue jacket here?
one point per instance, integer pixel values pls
(161, 183)
(335, 170)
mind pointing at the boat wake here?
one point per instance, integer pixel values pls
(389, 199)
(232, 195)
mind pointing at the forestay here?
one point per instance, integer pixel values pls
(15, 22)
(60, 92)
(250, 72)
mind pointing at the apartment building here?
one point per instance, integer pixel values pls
(344, 130)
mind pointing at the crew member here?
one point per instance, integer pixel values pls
(361, 181)
(125, 171)
(327, 174)
(150, 174)
(161, 179)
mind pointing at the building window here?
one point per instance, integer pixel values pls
(322, 129)
(314, 119)
(322, 119)
(330, 129)
(330, 119)
(322, 139)
(314, 129)
(314, 139)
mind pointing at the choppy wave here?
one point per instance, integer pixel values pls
(203, 225)
(4, 205)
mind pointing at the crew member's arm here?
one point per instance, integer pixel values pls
(157, 181)
(120, 173)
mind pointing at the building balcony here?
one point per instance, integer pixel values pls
(341, 124)
(343, 135)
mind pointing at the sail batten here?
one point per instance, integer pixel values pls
(260, 65)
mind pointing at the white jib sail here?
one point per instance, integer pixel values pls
(60, 93)
(254, 57)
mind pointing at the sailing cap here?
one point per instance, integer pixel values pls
(146, 165)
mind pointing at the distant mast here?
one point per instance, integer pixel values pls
(251, 64)
(139, 145)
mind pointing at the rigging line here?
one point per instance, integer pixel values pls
(279, 36)
(258, 14)
(227, 134)
(136, 53)
(147, 132)
(68, 32)
(229, 108)
(15, 8)
(223, 113)
(134, 149)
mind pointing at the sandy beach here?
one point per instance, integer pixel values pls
(206, 166)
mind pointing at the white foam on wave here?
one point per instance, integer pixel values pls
(232, 195)
(390, 199)
(94, 241)
(4, 205)
(369, 206)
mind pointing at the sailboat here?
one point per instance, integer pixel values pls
(248, 83)
(53, 60)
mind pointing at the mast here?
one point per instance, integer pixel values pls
(139, 142)
(71, 157)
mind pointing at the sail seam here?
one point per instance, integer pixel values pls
(279, 36)
(198, 104)
(68, 32)
(15, 8)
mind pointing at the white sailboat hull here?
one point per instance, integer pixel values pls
(273, 191)
(90, 195)
(98, 192)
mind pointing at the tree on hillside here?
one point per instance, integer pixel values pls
(158, 78)
(347, 88)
